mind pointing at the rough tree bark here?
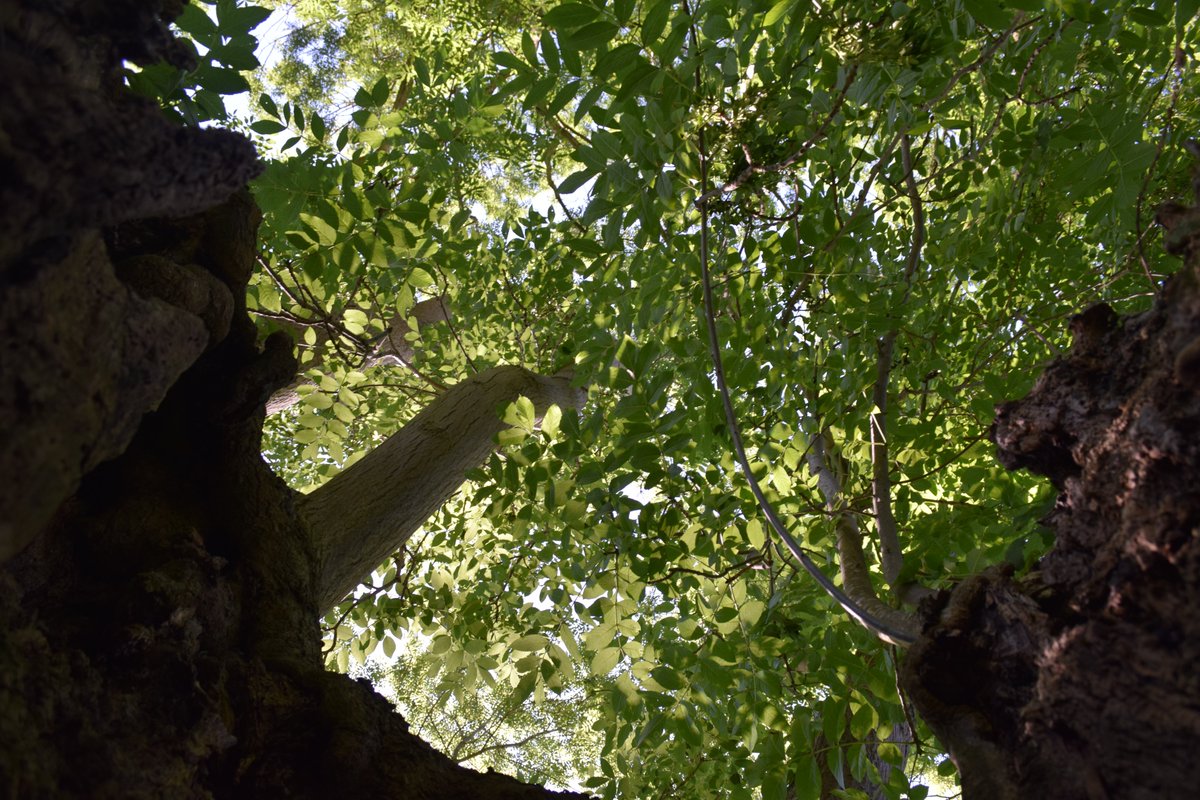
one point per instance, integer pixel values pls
(158, 621)
(1083, 681)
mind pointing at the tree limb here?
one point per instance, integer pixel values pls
(367, 512)
(891, 554)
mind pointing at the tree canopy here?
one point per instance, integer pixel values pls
(899, 207)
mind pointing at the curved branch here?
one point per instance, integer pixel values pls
(856, 578)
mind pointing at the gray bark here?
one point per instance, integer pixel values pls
(364, 514)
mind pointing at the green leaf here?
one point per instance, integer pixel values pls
(751, 611)
(267, 104)
(531, 642)
(668, 678)
(520, 414)
(242, 19)
(221, 80)
(989, 13)
(551, 420)
(419, 278)
(1147, 16)
(550, 52)
(380, 92)
(655, 21)
(505, 59)
(413, 211)
(589, 37)
(267, 126)
(1185, 12)
(197, 24)
(235, 56)
(777, 12)
(326, 234)
(755, 534)
(570, 15)
(605, 660)
(318, 400)
(343, 413)
(575, 181)
(511, 436)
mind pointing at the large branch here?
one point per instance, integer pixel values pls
(891, 554)
(366, 512)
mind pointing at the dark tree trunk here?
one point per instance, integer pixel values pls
(1083, 681)
(158, 623)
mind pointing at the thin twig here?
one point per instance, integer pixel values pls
(507, 745)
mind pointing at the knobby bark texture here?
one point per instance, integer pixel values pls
(159, 596)
(1083, 680)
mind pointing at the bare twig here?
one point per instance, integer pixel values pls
(558, 196)
(507, 745)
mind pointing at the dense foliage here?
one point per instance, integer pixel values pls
(943, 184)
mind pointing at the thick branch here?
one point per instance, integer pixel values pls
(891, 555)
(365, 513)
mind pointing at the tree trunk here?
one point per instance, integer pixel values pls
(159, 621)
(1083, 680)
